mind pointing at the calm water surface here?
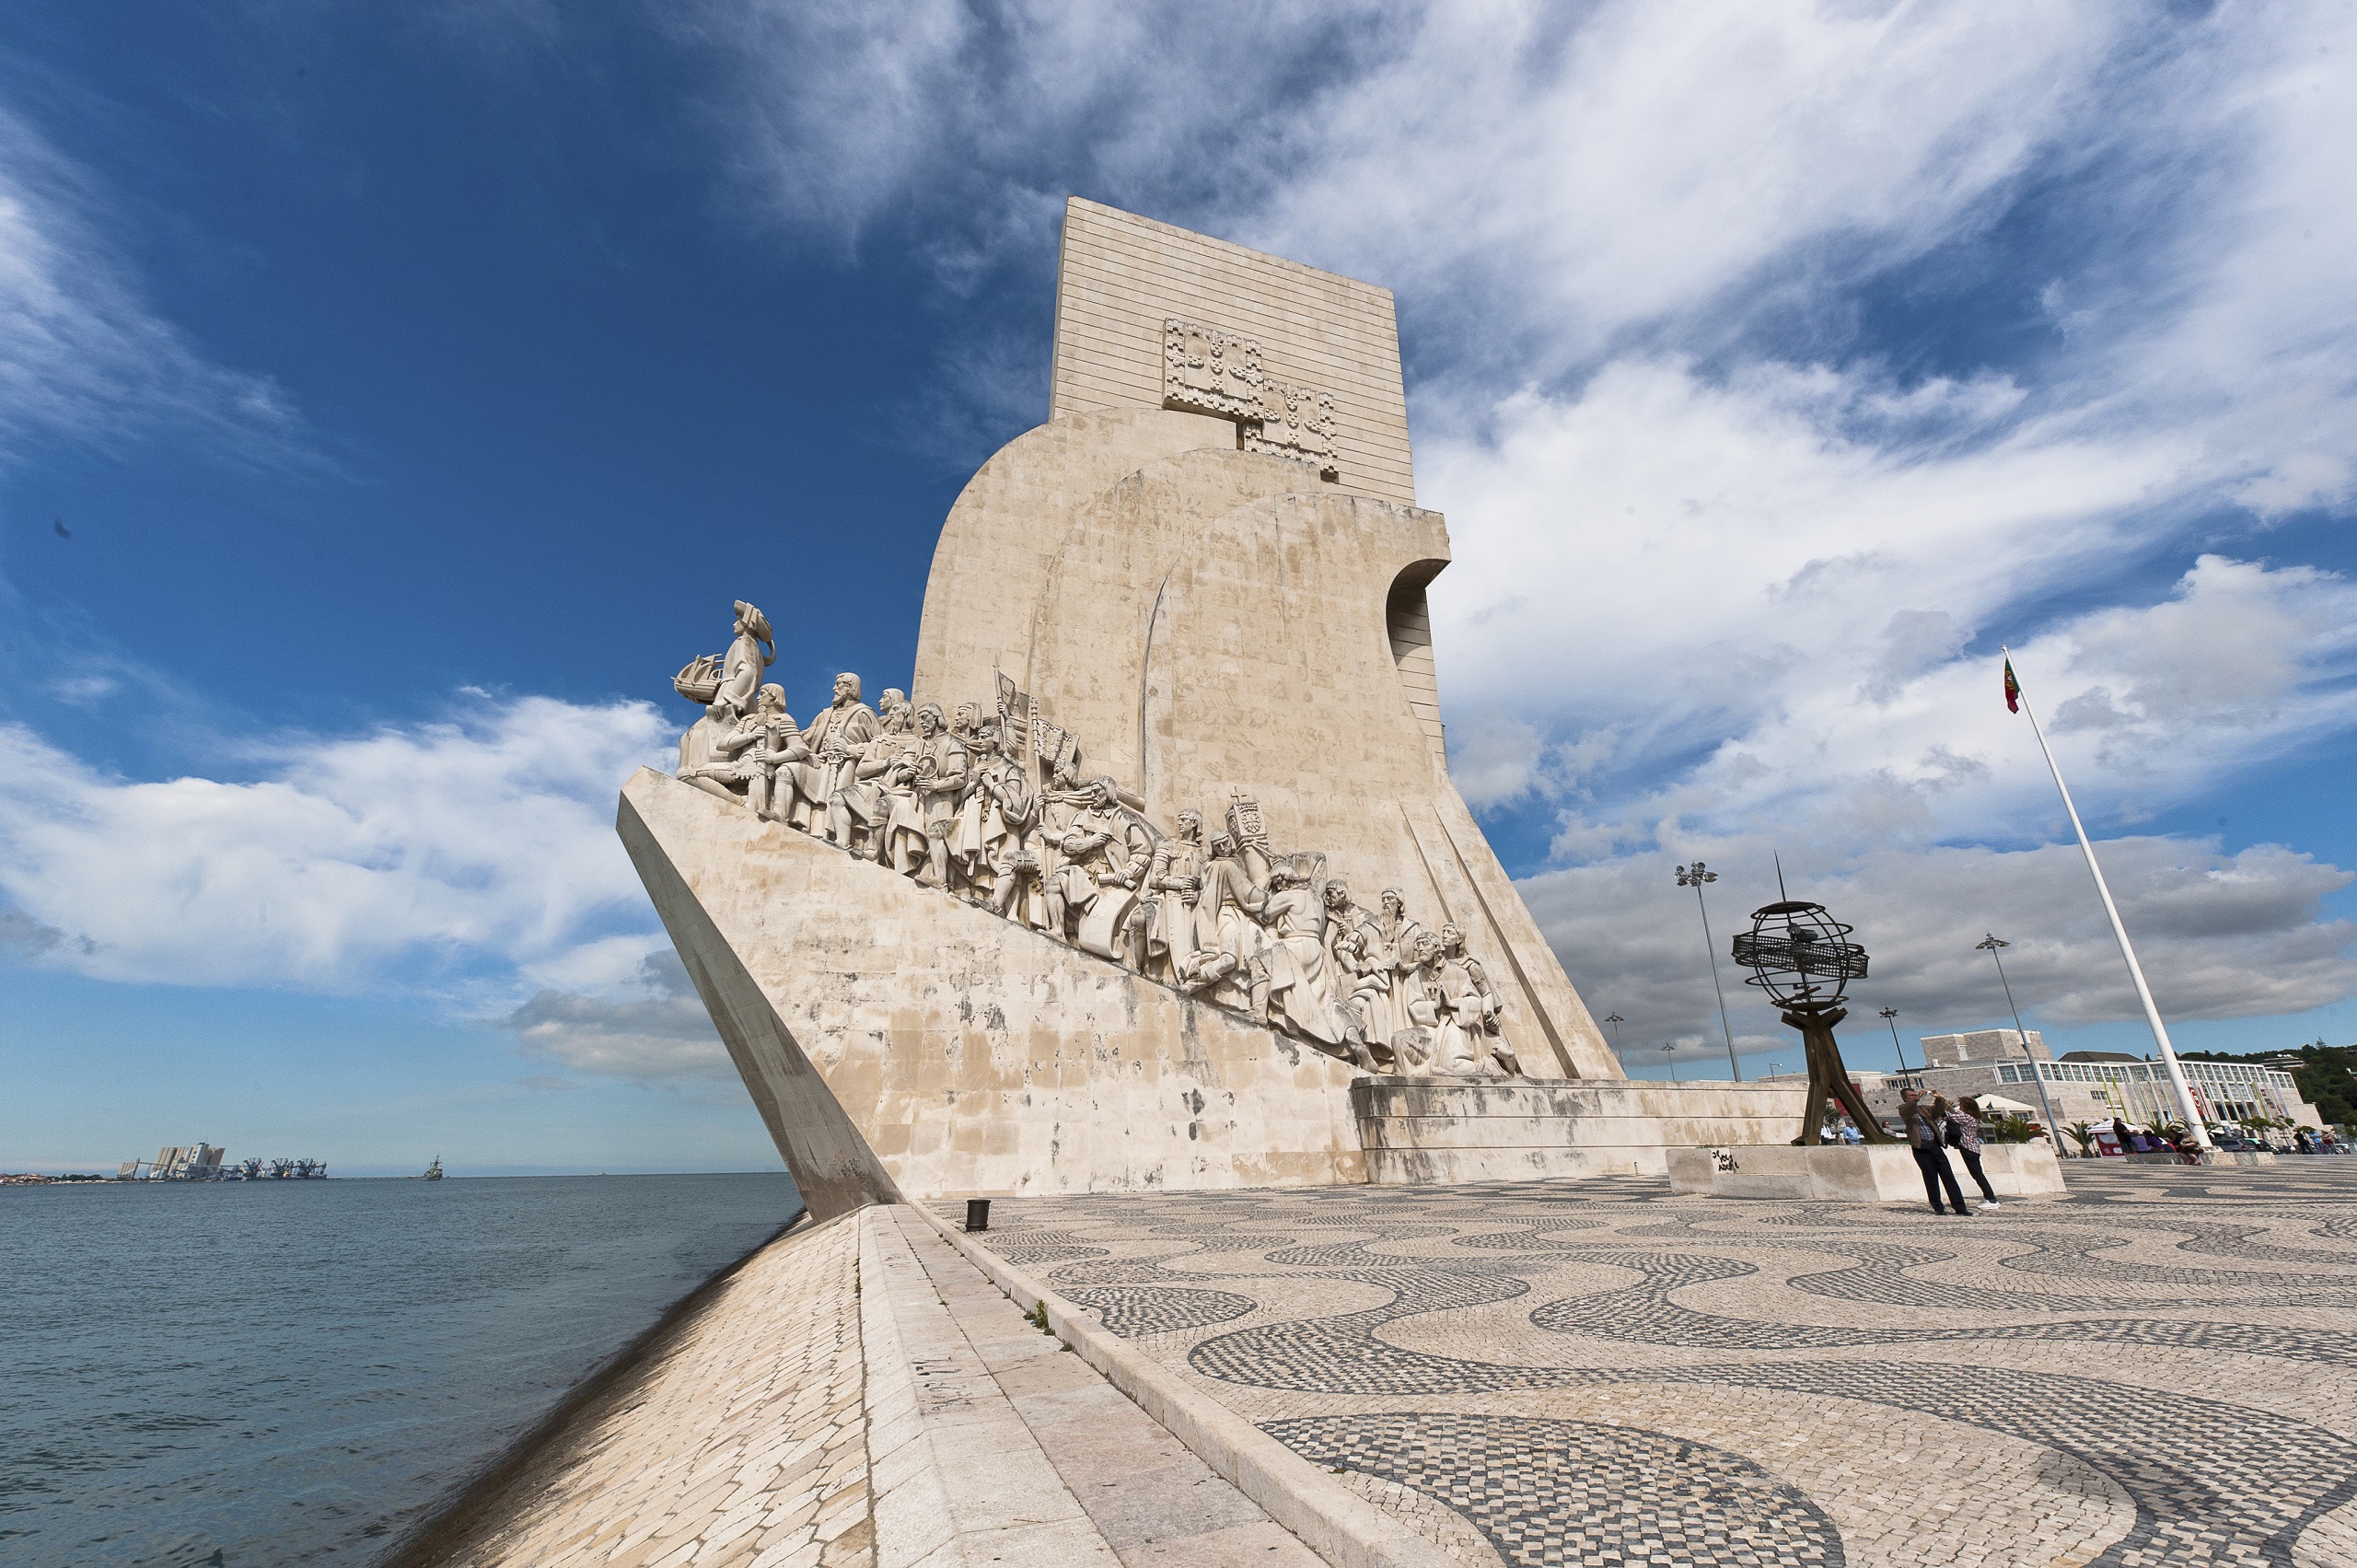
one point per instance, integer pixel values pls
(286, 1372)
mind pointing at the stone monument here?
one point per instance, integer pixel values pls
(1155, 878)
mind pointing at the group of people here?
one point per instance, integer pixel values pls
(1934, 1127)
(951, 802)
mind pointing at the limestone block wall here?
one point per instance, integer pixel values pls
(743, 1439)
(1441, 1130)
(982, 595)
(1209, 627)
(1120, 276)
(899, 1041)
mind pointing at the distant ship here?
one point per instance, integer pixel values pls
(434, 1171)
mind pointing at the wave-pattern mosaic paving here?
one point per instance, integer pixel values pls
(2160, 1368)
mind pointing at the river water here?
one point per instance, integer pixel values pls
(284, 1372)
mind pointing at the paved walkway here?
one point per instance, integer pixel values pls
(859, 1396)
(2157, 1369)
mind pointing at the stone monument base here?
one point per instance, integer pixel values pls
(1426, 1131)
(1854, 1173)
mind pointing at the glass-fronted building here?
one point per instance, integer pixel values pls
(2139, 1092)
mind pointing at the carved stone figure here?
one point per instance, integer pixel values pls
(856, 814)
(1395, 953)
(955, 805)
(1361, 985)
(744, 760)
(699, 749)
(1300, 981)
(924, 784)
(1433, 1033)
(1355, 1000)
(1489, 1008)
(1231, 902)
(1103, 852)
(836, 738)
(1180, 926)
(1006, 824)
(753, 652)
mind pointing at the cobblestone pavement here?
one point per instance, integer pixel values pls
(2160, 1368)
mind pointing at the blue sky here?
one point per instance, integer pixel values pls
(389, 400)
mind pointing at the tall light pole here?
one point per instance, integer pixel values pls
(1614, 1021)
(1992, 945)
(1890, 1016)
(1694, 876)
(1673, 1065)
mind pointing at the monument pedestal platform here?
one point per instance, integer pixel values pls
(1426, 1131)
(1854, 1173)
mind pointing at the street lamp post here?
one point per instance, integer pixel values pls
(1613, 1021)
(1992, 945)
(1694, 876)
(1890, 1016)
(1666, 1052)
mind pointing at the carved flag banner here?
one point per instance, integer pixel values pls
(1014, 718)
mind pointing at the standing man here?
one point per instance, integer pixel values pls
(1175, 880)
(1484, 1007)
(740, 671)
(926, 782)
(835, 739)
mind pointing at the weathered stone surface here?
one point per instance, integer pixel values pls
(1445, 1130)
(966, 1053)
(1010, 518)
(1853, 1173)
(743, 1439)
(1209, 628)
(1121, 277)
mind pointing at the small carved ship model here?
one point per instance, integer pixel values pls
(699, 682)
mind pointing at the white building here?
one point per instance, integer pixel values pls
(2084, 1086)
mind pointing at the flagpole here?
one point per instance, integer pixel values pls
(2119, 933)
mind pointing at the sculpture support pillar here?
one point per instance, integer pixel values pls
(1828, 1078)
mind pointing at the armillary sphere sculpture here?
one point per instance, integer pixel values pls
(1800, 956)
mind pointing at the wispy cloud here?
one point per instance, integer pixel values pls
(83, 356)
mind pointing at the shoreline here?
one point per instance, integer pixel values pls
(471, 1508)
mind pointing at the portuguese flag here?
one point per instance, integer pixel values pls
(2013, 690)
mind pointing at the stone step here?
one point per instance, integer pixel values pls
(1149, 1498)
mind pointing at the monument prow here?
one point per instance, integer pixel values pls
(1162, 852)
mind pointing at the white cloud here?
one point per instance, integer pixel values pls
(1600, 222)
(2219, 936)
(661, 1034)
(1721, 569)
(452, 858)
(82, 356)
(472, 863)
